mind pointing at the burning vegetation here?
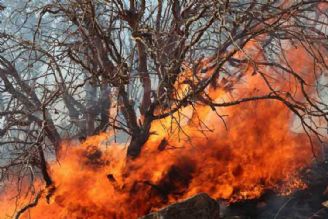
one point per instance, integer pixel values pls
(234, 123)
(252, 149)
(257, 152)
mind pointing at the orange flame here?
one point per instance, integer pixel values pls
(257, 151)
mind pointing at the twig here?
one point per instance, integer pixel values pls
(282, 207)
(30, 205)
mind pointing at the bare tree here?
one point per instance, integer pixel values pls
(88, 66)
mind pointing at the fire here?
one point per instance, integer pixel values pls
(254, 151)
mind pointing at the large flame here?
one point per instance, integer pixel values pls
(255, 150)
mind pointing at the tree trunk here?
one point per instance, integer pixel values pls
(136, 143)
(90, 117)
